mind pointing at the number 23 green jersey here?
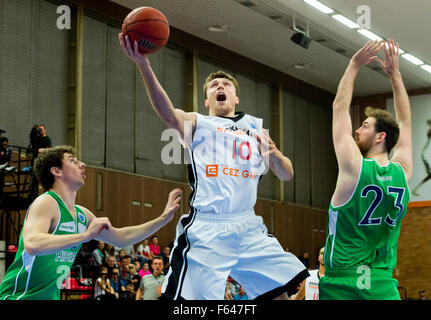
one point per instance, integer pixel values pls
(365, 230)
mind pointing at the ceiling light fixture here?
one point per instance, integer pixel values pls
(302, 66)
(426, 67)
(369, 34)
(345, 21)
(219, 28)
(320, 6)
(412, 59)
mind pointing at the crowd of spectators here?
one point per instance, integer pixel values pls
(121, 273)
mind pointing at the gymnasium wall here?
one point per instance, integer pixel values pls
(118, 128)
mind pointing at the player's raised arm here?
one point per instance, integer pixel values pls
(346, 149)
(162, 105)
(403, 152)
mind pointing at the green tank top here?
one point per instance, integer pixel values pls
(365, 230)
(41, 277)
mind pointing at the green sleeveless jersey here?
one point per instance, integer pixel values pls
(365, 230)
(41, 277)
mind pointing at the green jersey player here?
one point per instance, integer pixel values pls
(55, 227)
(371, 193)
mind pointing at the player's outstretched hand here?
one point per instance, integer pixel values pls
(391, 63)
(96, 226)
(132, 52)
(367, 53)
(172, 205)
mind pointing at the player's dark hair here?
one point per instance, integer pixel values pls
(385, 122)
(47, 159)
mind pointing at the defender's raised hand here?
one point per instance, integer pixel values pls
(391, 64)
(367, 53)
(172, 205)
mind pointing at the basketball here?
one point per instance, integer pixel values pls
(149, 27)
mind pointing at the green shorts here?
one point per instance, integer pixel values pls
(361, 283)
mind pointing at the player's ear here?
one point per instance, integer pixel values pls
(56, 171)
(206, 103)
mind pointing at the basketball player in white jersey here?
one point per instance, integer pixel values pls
(310, 287)
(221, 235)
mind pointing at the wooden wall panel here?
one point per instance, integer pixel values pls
(414, 252)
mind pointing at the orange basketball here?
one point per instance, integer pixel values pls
(148, 27)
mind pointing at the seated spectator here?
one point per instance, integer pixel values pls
(130, 251)
(129, 293)
(135, 278)
(241, 294)
(98, 253)
(110, 263)
(143, 251)
(166, 256)
(116, 282)
(151, 285)
(102, 289)
(121, 254)
(109, 250)
(5, 158)
(154, 247)
(124, 268)
(145, 270)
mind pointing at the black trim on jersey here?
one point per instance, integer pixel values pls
(290, 288)
(238, 116)
(175, 280)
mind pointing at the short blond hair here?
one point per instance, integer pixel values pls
(220, 74)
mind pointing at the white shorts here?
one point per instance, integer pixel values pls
(210, 247)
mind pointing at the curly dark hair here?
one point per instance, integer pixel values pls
(47, 159)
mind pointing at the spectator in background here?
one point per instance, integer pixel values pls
(109, 250)
(154, 247)
(5, 151)
(241, 294)
(135, 278)
(129, 294)
(116, 282)
(111, 263)
(103, 290)
(130, 251)
(124, 268)
(39, 142)
(151, 285)
(5, 158)
(145, 270)
(143, 251)
(422, 295)
(98, 253)
(120, 255)
(227, 293)
(233, 286)
(304, 259)
(166, 256)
